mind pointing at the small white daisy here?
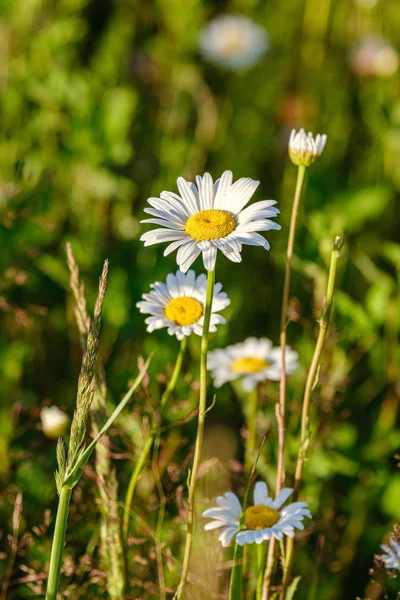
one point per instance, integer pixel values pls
(264, 520)
(391, 558)
(54, 421)
(253, 360)
(233, 41)
(179, 304)
(304, 148)
(209, 217)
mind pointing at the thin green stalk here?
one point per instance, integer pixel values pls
(58, 543)
(312, 379)
(251, 441)
(149, 442)
(200, 432)
(281, 408)
(260, 570)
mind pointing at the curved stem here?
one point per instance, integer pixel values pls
(251, 441)
(200, 432)
(281, 407)
(58, 543)
(149, 442)
(311, 382)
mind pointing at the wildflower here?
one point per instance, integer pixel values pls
(233, 41)
(391, 558)
(54, 421)
(253, 360)
(304, 148)
(374, 56)
(208, 218)
(179, 304)
(262, 521)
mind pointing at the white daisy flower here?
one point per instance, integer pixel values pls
(54, 421)
(264, 520)
(253, 360)
(180, 303)
(391, 558)
(304, 148)
(233, 41)
(209, 217)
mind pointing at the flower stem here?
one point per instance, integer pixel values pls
(281, 408)
(200, 432)
(58, 543)
(260, 570)
(149, 442)
(312, 379)
(251, 441)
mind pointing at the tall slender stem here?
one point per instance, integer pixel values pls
(260, 570)
(251, 441)
(58, 543)
(310, 384)
(200, 433)
(281, 408)
(149, 442)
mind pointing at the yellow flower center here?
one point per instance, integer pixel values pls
(184, 310)
(232, 44)
(210, 225)
(260, 517)
(249, 365)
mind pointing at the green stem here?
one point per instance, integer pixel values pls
(311, 382)
(251, 441)
(260, 570)
(200, 432)
(149, 442)
(281, 408)
(236, 583)
(58, 543)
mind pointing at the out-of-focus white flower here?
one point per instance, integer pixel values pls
(263, 521)
(304, 148)
(253, 361)
(54, 421)
(233, 41)
(391, 558)
(374, 57)
(180, 303)
(208, 217)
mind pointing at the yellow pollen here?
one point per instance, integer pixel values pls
(260, 517)
(210, 225)
(184, 310)
(249, 365)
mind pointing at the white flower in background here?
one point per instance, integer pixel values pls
(253, 360)
(374, 57)
(304, 148)
(208, 218)
(54, 421)
(233, 41)
(180, 303)
(391, 558)
(264, 520)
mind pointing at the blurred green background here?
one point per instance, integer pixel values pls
(103, 104)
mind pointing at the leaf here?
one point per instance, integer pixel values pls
(292, 588)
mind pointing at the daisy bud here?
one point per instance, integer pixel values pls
(304, 148)
(54, 421)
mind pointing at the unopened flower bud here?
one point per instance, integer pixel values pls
(304, 148)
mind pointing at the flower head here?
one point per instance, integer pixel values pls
(262, 521)
(54, 421)
(304, 148)
(179, 304)
(391, 558)
(233, 41)
(253, 360)
(209, 217)
(374, 56)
